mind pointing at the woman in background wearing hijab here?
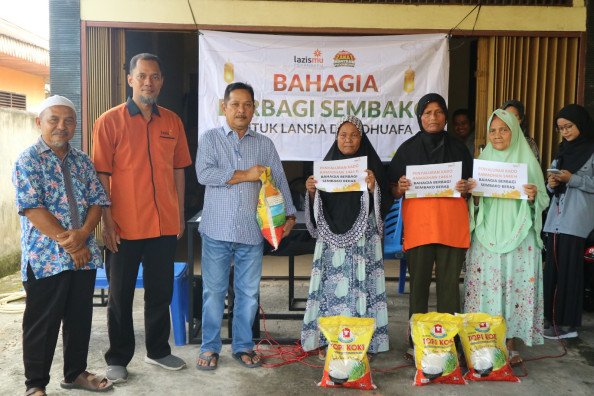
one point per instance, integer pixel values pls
(517, 108)
(347, 277)
(569, 221)
(436, 230)
(504, 262)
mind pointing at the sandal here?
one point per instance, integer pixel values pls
(208, 359)
(515, 359)
(322, 353)
(252, 354)
(37, 391)
(90, 382)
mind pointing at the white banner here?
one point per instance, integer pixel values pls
(304, 84)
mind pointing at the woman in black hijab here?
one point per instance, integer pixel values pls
(569, 221)
(436, 230)
(347, 277)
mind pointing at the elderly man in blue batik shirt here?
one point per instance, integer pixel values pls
(59, 198)
(229, 163)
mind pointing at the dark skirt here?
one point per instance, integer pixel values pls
(563, 280)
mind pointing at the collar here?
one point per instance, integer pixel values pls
(227, 130)
(133, 108)
(41, 146)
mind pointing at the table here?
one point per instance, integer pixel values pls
(195, 324)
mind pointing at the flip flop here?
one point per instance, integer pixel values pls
(515, 355)
(88, 381)
(208, 359)
(238, 356)
(34, 391)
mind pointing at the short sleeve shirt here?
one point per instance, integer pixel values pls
(141, 157)
(67, 189)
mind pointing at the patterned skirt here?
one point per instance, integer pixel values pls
(348, 281)
(508, 284)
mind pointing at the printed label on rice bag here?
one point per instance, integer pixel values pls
(271, 210)
(346, 363)
(436, 359)
(483, 341)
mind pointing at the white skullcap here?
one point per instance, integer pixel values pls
(55, 100)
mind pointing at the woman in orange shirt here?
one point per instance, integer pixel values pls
(436, 230)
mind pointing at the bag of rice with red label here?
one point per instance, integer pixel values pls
(436, 359)
(346, 364)
(271, 210)
(483, 340)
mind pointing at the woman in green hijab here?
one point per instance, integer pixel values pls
(504, 262)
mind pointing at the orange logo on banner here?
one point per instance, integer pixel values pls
(344, 58)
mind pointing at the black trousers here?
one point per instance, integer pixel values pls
(563, 279)
(157, 256)
(448, 265)
(65, 298)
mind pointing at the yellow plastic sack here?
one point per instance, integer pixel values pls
(346, 364)
(483, 341)
(436, 359)
(271, 210)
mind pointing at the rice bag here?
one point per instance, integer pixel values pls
(483, 341)
(271, 210)
(436, 359)
(346, 364)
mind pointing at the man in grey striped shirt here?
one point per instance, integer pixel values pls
(229, 163)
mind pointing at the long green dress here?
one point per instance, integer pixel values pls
(504, 262)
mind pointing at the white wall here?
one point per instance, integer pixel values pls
(17, 132)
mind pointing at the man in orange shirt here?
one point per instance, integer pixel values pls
(139, 151)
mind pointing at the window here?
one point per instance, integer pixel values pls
(13, 100)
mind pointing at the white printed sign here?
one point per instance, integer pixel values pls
(341, 175)
(433, 181)
(499, 179)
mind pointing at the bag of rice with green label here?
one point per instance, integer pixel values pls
(346, 364)
(271, 210)
(436, 358)
(483, 340)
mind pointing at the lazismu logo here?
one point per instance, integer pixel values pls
(316, 59)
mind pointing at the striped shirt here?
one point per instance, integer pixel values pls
(229, 212)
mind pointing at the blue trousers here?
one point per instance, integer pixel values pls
(217, 257)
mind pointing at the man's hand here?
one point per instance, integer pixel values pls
(81, 257)
(182, 227)
(253, 173)
(72, 240)
(289, 224)
(111, 239)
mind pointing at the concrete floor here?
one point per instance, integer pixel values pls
(571, 374)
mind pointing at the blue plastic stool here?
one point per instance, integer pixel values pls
(393, 240)
(179, 301)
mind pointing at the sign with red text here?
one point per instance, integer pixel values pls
(303, 85)
(341, 175)
(499, 179)
(434, 181)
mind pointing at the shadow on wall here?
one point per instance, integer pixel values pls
(17, 132)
